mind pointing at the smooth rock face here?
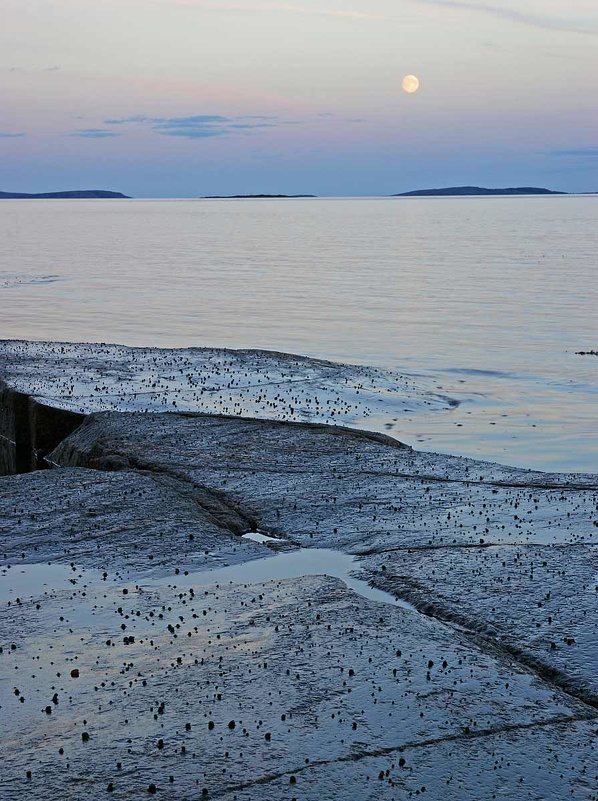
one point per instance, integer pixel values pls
(125, 522)
(11, 413)
(29, 430)
(330, 487)
(46, 388)
(419, 520)
(538, 602)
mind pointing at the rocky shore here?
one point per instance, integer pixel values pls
(131, 666)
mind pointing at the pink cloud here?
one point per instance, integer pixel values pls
(218, 95)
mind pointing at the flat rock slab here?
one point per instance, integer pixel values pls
(418, 520)
(127, 522)
(46, 388)
(539, 602)
(293, 689)
(337, 488)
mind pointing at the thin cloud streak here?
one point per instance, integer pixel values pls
(192, 133)
(201, 126)
(580, 152)
(283, 8)
(531, 20)
(94, 133)
(9, 135)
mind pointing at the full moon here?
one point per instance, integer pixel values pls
(410, 84)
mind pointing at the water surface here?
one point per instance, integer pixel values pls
(490, 296)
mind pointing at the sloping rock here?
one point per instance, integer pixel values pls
(346, 489)
(440, 526)
(46, 388)
(125, 522)
(538, 602)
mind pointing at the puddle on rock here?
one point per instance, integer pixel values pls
(34, 580)
(288, 565)
(26, 581)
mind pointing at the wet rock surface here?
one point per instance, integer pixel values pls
(539, 603)
(85, 378)
(279, 690)
(328, 487)
(130, 668)
(453, 536)
(125, 522)
(46, 388)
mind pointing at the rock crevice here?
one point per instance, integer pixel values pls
(30, 430)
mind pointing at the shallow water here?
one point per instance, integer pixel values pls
(492, 297)
(287, 565)
(35, 580)
(25, 581)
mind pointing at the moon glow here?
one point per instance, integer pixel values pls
(410, 84)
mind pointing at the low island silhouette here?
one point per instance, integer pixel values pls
(77, 194)
(472, 191)
(253, 197)
(450, 191)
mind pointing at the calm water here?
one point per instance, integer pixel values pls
(491, 296)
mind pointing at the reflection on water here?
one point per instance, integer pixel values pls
(35, 580)
(25, 581)
(491, 296)
(288, 565)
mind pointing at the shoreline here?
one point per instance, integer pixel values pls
(55, 384)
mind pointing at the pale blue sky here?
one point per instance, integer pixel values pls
(194, 97)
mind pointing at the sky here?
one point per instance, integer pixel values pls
(185, 98)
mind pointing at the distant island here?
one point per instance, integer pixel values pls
(450, 191)
(252, 197)
(468, 191)
(77, 194)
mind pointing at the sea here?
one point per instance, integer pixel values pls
(493, 298)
